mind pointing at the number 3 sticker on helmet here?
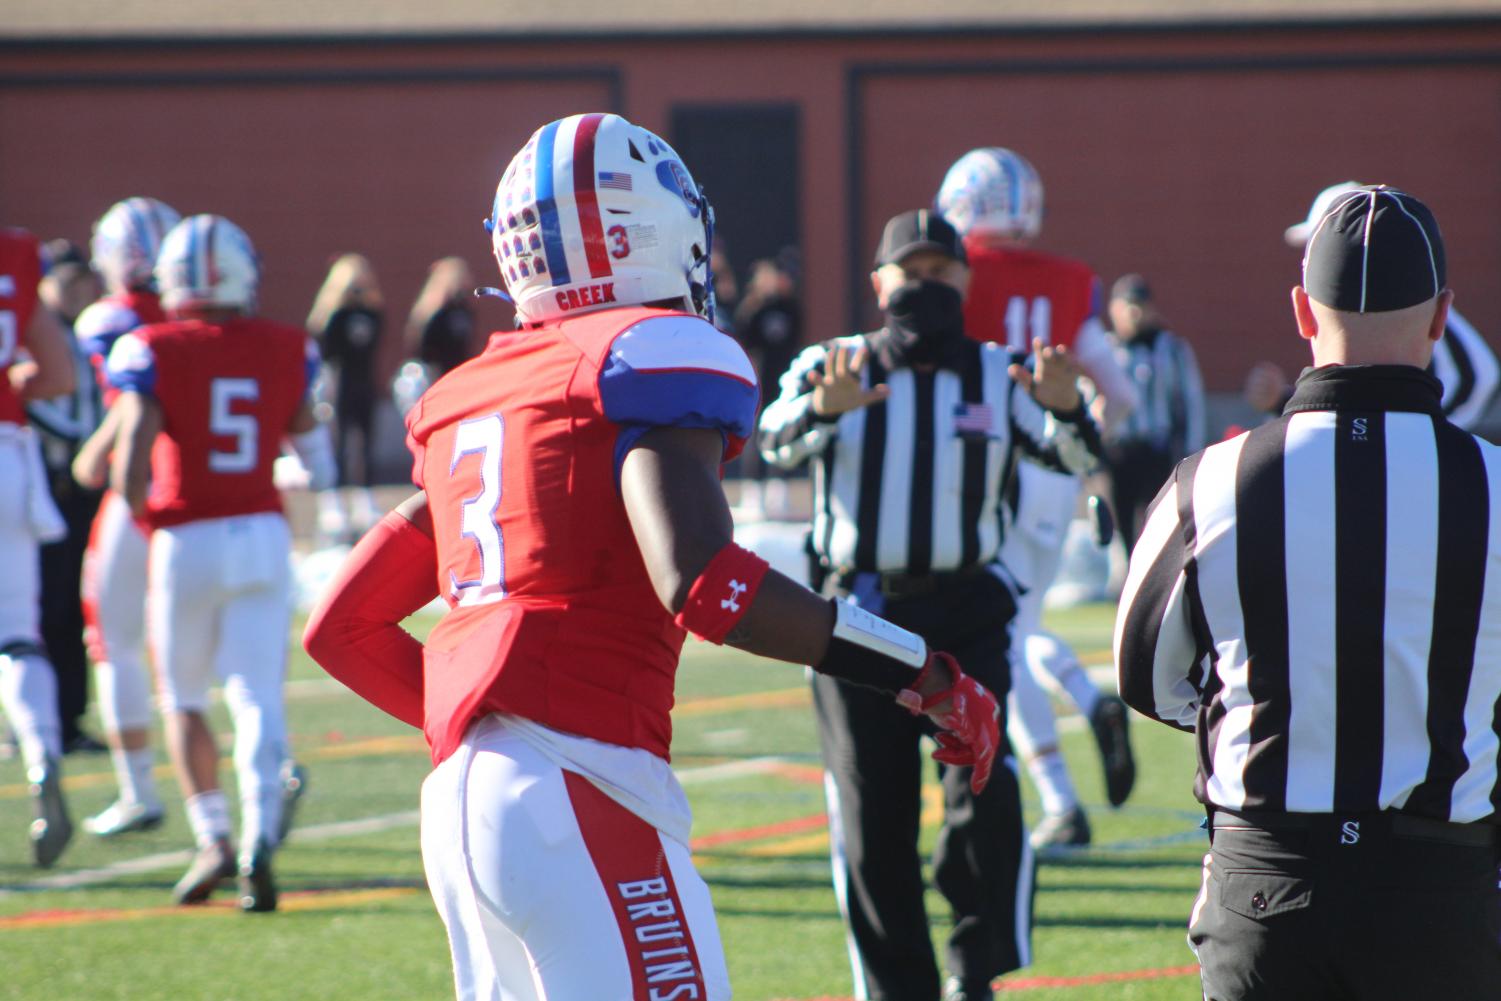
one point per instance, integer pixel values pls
(484, 437)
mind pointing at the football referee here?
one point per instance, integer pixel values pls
(1319, 601)
(914, 431)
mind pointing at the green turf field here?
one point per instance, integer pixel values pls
(356, 922)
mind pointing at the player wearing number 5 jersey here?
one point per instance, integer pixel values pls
(1018, 294)
(211, 396)
(572, 518)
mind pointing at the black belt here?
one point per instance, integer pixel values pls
(1395, 825)
(909, 585)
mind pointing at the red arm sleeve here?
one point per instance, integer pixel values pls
(355, 632)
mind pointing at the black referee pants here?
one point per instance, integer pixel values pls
(62, 607)
(1334, 913)
(980, 865)
(1137, 472)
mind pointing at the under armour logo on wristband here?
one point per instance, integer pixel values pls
(732, 603)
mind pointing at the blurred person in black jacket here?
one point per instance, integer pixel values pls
(769, 324)
(348, 322)
(63, 423)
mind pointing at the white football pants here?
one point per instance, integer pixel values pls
(28, 686)
(553, 891)
(114, 604)
(1033, 551)
(219, 605)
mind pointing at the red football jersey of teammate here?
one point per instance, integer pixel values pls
(552, 614)
(227, 392)
(1017, 295)
(107, 320)
(20, 271)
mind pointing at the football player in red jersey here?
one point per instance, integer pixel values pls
(571, 516)
(1018, 294)
(205, 402)
(124, 247)
(28, 686)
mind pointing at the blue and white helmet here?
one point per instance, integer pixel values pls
(127, 239)
(596, 212)
(207, 261)
(992, 192)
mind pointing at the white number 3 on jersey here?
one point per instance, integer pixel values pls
(485, 437)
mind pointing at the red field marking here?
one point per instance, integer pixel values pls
(795, 826)
(811, 774)
(1043, 983)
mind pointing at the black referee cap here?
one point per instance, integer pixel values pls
(919, 229)
(1375, 250)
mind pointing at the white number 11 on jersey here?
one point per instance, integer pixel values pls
(485, 437)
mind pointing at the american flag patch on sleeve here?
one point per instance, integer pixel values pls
(615, 179)
(974, 418)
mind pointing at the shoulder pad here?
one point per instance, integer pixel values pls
(680, 343)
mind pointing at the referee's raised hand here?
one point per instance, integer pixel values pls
(837, 388)
(1055, 383)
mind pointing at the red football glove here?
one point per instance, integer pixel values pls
(969, 731)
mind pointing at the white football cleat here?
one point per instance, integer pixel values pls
(123, 817)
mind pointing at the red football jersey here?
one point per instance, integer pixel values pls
(552, 615)
(20, 271)
(1017, 295)
(227, 392)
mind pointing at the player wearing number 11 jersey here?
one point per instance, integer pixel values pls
(1018, 295)
(211, 395)
(570, 514)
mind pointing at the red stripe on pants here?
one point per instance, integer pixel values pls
(627, 853)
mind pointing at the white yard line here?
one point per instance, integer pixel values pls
(333, 831)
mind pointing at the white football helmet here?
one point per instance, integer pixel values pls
(992, 192)
(596, 212)
(207, 261)
(127, 239)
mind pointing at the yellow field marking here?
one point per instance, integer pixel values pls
(780, 698)
(310, 900)
(414, 743)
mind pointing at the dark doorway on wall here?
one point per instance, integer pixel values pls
(746, 158)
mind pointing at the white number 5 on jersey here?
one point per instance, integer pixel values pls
(223, 395)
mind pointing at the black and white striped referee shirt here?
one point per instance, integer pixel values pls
(1319, 599)
(914, 484)
(1468, 368)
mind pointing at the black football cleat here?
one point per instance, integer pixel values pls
(257, 885)
(52, 828)
(1108, 721)
(1061, 830)
(955, 989)
(211, 866)
(293, 785)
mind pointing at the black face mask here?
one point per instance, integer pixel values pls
(925, 319)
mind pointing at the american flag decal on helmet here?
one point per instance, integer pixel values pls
(615, 180)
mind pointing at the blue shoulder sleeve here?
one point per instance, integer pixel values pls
(131, 367)
(678, 371)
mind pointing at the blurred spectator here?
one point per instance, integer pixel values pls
(70, 285)
(347, 320)
(769, 324)
(726, 288)
(441, 332)
(62, 424)
(1168, 422)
